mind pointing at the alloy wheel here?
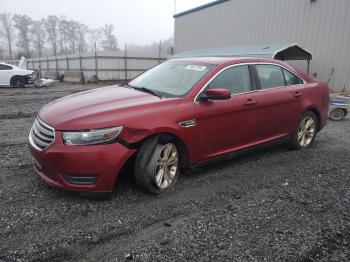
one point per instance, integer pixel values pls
(166, 166)
(306, 131)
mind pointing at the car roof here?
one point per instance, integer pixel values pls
(3, 63)
(13, 66)
(224, 60)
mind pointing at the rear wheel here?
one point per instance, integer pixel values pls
(157, 165)
(17, 81)
(336, 114)
(305, 133)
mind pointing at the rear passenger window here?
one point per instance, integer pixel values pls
(236, 79)
(270, 76)
(291, 79)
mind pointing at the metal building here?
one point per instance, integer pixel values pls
(320, 26)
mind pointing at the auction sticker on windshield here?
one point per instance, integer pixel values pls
(196, 67)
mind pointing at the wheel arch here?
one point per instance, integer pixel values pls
(172, 137)
(344, 110)
(317, 114)
(16, 76)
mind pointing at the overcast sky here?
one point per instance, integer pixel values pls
(135, 21)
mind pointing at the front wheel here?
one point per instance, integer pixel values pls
(157, 166)
(305, 133)
(17, 81)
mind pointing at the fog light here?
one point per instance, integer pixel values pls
(80, 179)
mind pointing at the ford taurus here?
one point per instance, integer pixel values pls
(179, 114)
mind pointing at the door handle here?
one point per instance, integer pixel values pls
(250, 102)
(297, 94)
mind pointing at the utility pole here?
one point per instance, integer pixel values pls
(125, 66)
(159, 50)
(96, 65)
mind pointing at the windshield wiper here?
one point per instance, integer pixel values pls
(146, 90)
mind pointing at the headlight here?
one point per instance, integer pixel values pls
(92, 137)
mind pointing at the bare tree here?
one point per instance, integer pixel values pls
(109, 42)
(38, 33)
(63, 29)
(72, 35)
(1, 53)
(51, 26)
(55, 35)
(6, 22)
(93, 38)
(82, 31)
(23, 24)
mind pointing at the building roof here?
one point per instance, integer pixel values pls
(220, 60)
(275, 51)
(200, 8)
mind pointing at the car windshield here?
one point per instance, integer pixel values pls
(172, 79)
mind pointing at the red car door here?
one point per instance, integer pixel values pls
(279, 102)
(226, 125)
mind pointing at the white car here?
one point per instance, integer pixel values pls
(15, 76)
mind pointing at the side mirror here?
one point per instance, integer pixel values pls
(215, 94)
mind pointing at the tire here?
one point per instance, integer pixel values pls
(336, 114)
(157, 165)
(17, 81)
(305, 133)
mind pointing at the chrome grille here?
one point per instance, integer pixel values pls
(41, 135)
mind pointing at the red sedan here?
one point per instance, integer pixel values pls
(177, 115)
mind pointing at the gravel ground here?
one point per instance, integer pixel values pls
(273, 205)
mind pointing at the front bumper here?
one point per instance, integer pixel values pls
(29, 79)
(59, 163)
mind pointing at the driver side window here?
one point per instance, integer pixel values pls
(236, 79)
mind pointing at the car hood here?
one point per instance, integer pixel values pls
(22, 71)
(28, 72)
(98, 108)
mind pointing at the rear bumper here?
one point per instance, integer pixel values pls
(81, 168)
